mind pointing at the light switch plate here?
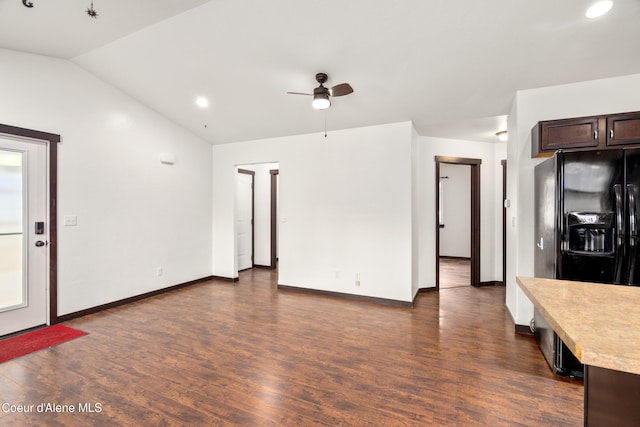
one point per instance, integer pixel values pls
(70, 220)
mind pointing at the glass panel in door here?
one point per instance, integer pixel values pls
(12, 283)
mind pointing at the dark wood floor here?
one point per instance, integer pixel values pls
(454, 272)
(247, 354)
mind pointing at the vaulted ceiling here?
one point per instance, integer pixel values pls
(450, 66)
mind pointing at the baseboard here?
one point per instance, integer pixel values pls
(266, 267)
(92, 310)
(492, 283)
(523, 329)
(361, 298)
(225, 279)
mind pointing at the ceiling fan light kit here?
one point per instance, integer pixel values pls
(321, 101)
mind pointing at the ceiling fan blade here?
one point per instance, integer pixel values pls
(341, 89)
(299, 93)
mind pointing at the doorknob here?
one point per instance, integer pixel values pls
(40, 243)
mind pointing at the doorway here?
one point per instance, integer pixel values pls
(474, 218)
(455, 225)
(256, 208)
(28, 257)
(245, 219)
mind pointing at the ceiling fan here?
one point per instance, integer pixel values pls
(322, 95)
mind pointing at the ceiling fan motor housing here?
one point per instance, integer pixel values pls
(321, 78)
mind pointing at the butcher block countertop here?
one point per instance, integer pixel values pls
(599, 323)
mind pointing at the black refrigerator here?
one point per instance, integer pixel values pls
(586, 222)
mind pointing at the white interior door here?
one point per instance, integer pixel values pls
(24, 252)
(244, 219)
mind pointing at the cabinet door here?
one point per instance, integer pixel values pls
(623, 129)
(568, 134)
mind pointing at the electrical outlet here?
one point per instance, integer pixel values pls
(159, 271)
(357, 282)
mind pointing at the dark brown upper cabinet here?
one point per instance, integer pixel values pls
(585, 133)
(623, 129)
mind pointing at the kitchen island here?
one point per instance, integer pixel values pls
(600, 324)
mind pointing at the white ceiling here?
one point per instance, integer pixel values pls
(450, 66)
(62, 28)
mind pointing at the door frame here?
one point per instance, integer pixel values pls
(504, 222)
(475, 214)
(274, 217)
(51, 141)
(253, 204)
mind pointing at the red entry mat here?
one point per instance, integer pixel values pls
(21, 345)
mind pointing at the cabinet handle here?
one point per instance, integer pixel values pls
(595, 134)
(611, 134)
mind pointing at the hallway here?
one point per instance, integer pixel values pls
(454, 272)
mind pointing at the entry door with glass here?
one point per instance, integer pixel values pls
(24, 250)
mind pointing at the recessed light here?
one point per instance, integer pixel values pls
(598, 9)
(202, 102)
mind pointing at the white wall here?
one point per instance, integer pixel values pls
(262, 211)
(614, 95)
(455, 236)
(345, 209)
(490, 236)
(134, 214)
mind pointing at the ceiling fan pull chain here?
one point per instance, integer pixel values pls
(325, 123)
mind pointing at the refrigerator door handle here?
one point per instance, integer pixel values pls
(618, 269)
(632, 215)
(617, 189)
(631, 196)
